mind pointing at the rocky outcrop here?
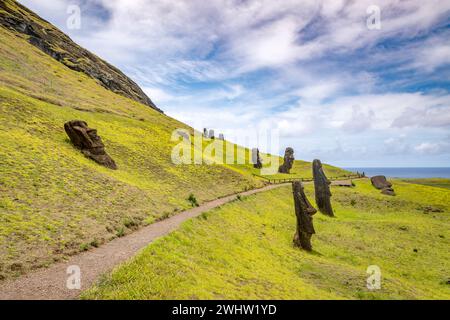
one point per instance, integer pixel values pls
(90, 144)
(288, 161)
(256, 159)
(381, 183)
(304, 212)
(322, 189)
(59, 46)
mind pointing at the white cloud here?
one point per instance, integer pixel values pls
(433, 148)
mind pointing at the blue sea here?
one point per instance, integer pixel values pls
(405, 172)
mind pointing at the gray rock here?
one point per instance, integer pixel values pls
(59, 46)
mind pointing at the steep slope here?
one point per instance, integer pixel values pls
(59, 46)
(53, 200)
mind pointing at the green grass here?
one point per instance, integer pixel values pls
(434, 182)
(55, 202)
(243, 250)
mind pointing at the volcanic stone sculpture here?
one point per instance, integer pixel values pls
(288, 161)
(221, 137)
(211, 133)
(322, 189)
(304, 212)
(90, 144)
(205, 133)
(381, 183)
(256, 160)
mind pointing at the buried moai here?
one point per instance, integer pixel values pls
(221, 137)
(256, 160)
(304, 212)
(288, 161)
(322, 189)
(90, 144)
(205, 133)
(381, 183)
(211, 134)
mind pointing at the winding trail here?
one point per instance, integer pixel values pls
(50, 283)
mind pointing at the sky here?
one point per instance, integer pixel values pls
(322, 74)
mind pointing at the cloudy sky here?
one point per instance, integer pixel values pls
(333, 88)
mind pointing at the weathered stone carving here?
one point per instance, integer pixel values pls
(322, 189)
(256, 160)
(90, 144)
(221, 137)
(304, 212)
(205, 133)
(381, 183)
(184, 134)
(211, 134)
(288, 161)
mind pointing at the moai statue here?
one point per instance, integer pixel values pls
(221, 137)
(381, 183)
(256, 160)
(322, 189)
(90, 144)
(288, 161)
(304, 212)
(205, 133)
(211, 133)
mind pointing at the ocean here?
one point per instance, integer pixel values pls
(405, 172)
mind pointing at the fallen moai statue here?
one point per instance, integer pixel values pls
(381, 183)
(322, 189)
(304, 212)
(90, 144)
(288, 161)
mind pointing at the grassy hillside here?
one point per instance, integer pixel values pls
(55, 202)
(244, 250)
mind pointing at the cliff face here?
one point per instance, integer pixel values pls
(55, 43)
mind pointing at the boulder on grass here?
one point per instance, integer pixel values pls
(380, 182)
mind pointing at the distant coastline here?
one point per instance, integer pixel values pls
(405, 172)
